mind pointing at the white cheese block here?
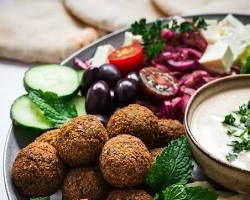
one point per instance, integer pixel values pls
(101, 55)
(217, 58)
(230, 23)
(211, 34)
(236, 42)
(129, 38)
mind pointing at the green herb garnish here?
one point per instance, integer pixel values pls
(151, 35)
(172, 166)
(54, 108)
(181, 192)
(171, 171)
(238, 127)
(40, 198)
(229, 119)
(153, 43)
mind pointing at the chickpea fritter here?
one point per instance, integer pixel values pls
(49, 137)
(134, 120)
(129, 195)
(168, 130)
(37, 170)
(84, 183)
(154, 153)
(81, 140)
(125, 161)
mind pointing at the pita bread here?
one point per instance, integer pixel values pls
(174, 7)
(111, 15)
(41, 31)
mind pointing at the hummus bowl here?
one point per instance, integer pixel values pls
(207, 136)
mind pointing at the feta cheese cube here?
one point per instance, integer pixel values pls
(129, 38)
(218, 57)
(101, 55)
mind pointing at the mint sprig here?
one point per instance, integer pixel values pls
(181, 192)
(54, 108)
(171, 171)
(172, 166)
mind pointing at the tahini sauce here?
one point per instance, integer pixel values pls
(207, 127)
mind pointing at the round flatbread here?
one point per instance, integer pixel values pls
(41, 31)
(174, 7)
(111, 15)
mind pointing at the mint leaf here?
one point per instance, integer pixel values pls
(54, 108)
(180, 192)
(175, 192)
(172, 166)
(199, 193)
(40, 198)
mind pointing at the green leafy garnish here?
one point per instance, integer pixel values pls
(229, 119)
(40, 198)
(187, 26)
(153, 43)
(171, 171)
(199, 22)
(54, 108)
(238, 127)
(245, 69)
(172, 166)
(181, 192)
(151, 35)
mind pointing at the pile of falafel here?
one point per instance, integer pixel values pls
(89, 161)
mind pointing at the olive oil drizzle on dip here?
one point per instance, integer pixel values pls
(211, 133)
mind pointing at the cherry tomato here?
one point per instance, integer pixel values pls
(127, 58)
(158, 84)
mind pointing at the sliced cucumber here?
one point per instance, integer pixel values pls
(80, 75)
(79, 102)
(25, 114)
(62, 80)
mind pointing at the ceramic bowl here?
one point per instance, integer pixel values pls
(224, 173)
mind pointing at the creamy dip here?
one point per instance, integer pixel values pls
(208, 130)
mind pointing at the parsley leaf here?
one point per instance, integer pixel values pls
(54, 108)
(172, 166)
(229, 119)
(231, 157)
(181, 192)
(153, 43)
(199, 22)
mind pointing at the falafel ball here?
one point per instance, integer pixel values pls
(154, 153)
(168, 129)
(81, 140)
(83, 183)
(129, 195)
(134, 120)
(37, 170)
(125, 161)
(49, 137)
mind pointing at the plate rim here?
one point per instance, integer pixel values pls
(70, 57)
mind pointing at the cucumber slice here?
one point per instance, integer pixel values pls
(62, 80)
(79, 102)
(25, 114)
(80, 75)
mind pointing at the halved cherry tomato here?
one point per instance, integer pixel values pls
(158, 84)
(127, 58)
